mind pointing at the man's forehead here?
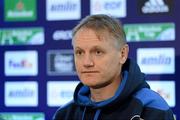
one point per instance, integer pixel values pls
(91, 33)
(84, 32)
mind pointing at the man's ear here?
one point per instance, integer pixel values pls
(124, 53)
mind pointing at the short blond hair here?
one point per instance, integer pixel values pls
(103, 24)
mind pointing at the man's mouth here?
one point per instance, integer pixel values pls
(90, 72)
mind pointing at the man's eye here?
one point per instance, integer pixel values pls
(79, 52)
(98, 52)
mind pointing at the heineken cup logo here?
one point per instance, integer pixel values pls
(20, 5)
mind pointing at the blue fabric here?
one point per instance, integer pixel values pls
(84, 97)
(118, 92)
(133, 97)
(84, 112)
(97, 114)
(151, 99)
(84, 93)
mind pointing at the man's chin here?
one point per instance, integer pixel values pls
(95, 85)
(89, 82)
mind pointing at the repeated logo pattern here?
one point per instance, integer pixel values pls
(38, 71)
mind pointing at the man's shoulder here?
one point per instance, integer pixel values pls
(152, 99)
(67, 105)
(63, 110)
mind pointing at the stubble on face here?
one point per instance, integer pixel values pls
(105, 69)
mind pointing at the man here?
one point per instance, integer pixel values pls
(112, 86)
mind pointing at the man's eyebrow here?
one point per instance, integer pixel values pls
(97, 47)
(78, 48)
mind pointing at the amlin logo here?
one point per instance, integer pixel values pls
(63, 9)
(116, 8)
(156, 60)
(21, 93)
(21, 63)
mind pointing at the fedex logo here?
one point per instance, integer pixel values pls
(21, 63)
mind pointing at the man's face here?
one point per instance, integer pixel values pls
(97, 60)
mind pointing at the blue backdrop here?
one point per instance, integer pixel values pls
(57, 37)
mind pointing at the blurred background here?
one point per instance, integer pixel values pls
(37, 72)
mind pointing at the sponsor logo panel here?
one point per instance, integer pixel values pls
(150, 32)
(62, 35)
(21, 116)
(61, 92)
(20, 10)
(156, 60)
(116, 8)
(60, 62)
(161, 88)
(21, 63)
(63, 9)
(21, 93)
(22, 36)
(155, 6)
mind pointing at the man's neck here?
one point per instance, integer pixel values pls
(106, 92)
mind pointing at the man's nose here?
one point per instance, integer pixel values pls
(88, 61)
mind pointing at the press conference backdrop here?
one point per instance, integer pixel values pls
(37, 73)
